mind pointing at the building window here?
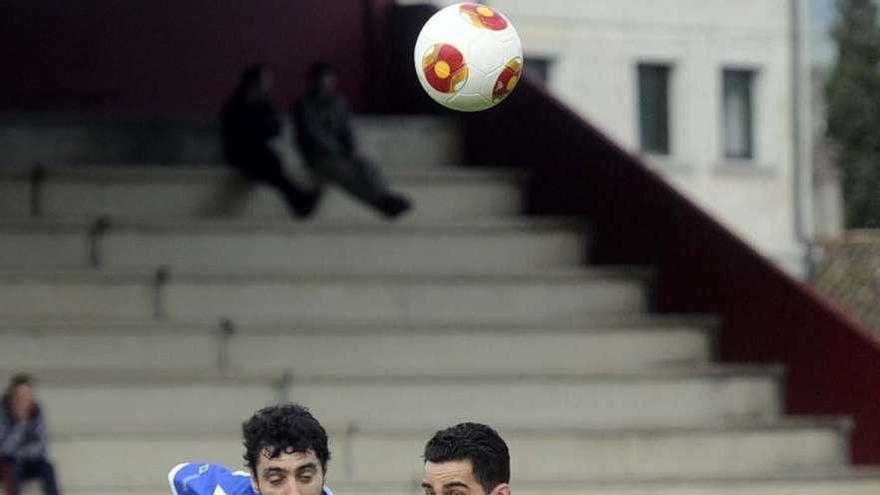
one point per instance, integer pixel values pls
(654, 115)
(738, 89)
(538, 68)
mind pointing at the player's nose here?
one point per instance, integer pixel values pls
(292, 489)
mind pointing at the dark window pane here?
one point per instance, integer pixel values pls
(654, 108)
(538, 68)
(738, 128)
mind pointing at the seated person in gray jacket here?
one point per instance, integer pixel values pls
(23, 439)
(326, 141)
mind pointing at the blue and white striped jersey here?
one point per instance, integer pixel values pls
(211, 479)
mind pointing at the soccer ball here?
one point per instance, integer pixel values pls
(468, 57)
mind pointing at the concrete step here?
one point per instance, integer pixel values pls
(15, 193)
(844, 483)
(154, 193)
(822, 482)
(528, 297)
(439, 247)
(840, 482)
(355, 349)
(725, 450)
(394, 141)
(158, 402)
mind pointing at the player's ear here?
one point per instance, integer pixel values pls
(254, 483)
(502, 489)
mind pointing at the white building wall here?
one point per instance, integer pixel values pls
(595, 46)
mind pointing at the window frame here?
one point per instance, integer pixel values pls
(754, 73)
(549, 65)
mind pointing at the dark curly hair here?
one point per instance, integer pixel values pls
(281, 429)
(477, 443)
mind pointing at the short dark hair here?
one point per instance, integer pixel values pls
(477, 443)
(285, 428)
(319, 69)
(19, 380)
(252, 73)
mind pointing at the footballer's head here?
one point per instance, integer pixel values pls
(466, 459)
(257, 79)
(323, 78)
(285, 451)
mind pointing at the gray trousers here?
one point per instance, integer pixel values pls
(358, 176)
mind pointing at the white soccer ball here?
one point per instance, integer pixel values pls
(468, 57)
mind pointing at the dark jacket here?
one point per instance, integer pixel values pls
(323, 126)
(247, 128)
(24, 441)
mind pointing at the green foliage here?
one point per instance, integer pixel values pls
(853, 94)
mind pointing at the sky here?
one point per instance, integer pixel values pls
(821, 17)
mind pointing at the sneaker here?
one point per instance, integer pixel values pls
(393, 205)
(304, 206)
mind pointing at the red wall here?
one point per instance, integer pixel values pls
(173, 57)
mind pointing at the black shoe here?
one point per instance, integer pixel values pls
(304, 206)
(393, 205)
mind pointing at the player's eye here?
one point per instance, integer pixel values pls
(305, 476)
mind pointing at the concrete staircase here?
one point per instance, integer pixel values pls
(159, 307)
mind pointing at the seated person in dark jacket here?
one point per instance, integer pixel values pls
(23, 439)
(250, 121)
(326, 141)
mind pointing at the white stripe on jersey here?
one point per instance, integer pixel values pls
(173, 473)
